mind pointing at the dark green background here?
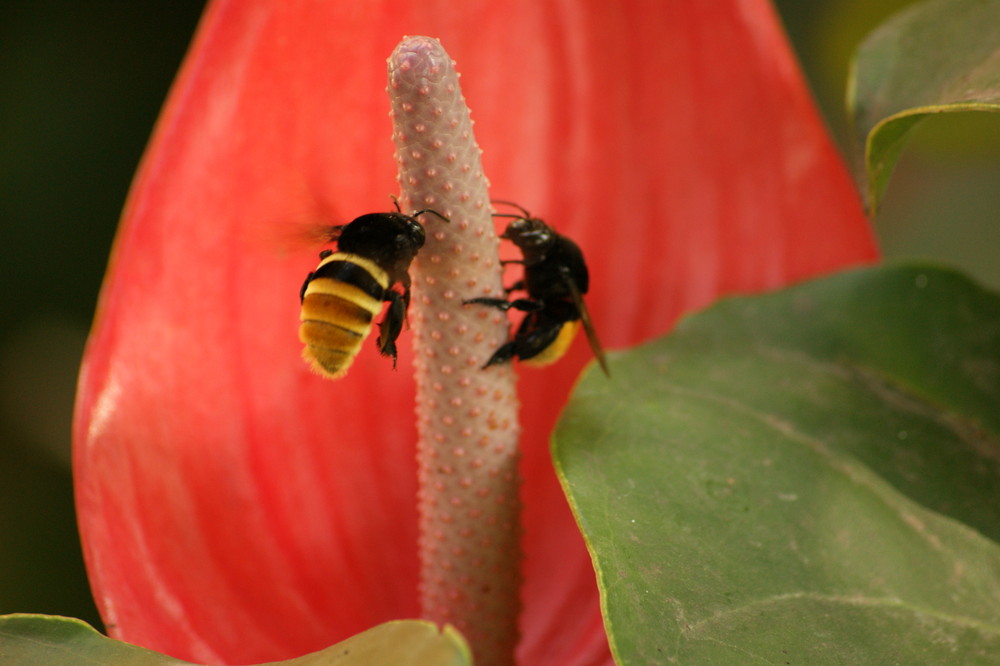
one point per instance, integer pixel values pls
(81, 87)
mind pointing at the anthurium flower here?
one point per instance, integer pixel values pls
(236, 507)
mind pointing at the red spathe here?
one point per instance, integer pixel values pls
(235, 507)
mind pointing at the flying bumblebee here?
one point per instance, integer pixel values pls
(555, 279)
(341, 298)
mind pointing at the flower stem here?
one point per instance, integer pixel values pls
(467, 417)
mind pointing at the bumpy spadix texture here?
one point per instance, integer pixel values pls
(467, 417)
(234, 507)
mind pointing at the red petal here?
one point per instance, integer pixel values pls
(235, 507)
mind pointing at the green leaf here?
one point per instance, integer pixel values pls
(938, 56)
(809, 476)
(26, 640)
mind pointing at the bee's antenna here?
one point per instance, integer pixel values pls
(395, 202)
(430, 210)
(510, 203)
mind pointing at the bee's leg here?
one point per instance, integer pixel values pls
(492, 302)
(522, 304)
(515, 287)
(302, 291)
(527, 305)
(406, 299)
(534, 338)
(391, 325)
(503, 354)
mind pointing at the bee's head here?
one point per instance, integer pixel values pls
(410, 235)
(530, 234)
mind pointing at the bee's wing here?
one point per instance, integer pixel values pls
(318, 234)
(332, 233)
(588, 324)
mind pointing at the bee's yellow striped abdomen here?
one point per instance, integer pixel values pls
(339, 304)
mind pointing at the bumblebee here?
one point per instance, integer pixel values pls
(555, 279)
(341, 298)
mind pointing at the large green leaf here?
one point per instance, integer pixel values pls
(809, 477)
(938, 56)
(26, 640)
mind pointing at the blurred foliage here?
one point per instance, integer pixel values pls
(80, 88)
(942, 201)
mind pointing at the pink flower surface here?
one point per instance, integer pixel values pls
(235, 507)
